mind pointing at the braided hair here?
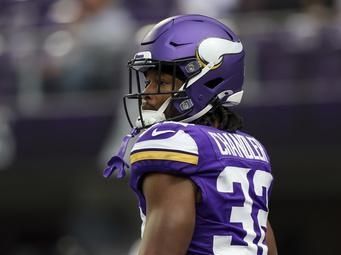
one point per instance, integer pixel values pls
(222, 118)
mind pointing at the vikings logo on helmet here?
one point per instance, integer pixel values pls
(202, 52)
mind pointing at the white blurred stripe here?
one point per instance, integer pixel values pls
(179, 142)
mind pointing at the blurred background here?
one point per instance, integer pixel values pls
(62, 74)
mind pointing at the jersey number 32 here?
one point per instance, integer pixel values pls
(253, 222)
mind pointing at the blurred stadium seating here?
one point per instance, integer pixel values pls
(62, 71)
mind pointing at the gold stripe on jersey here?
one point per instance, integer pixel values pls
(164, 155)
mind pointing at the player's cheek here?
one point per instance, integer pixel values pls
(161, 99)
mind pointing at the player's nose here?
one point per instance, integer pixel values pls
(150, 88)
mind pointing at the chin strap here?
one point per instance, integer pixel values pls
(117, 161)
(150, 116)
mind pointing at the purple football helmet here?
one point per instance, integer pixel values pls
(202, 52)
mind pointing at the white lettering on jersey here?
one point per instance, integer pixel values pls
(238, 145)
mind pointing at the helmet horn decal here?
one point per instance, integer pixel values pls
(212, 50)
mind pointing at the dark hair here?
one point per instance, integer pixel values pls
(223, 117)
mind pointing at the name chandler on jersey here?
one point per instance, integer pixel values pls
(231, 144)
(173, 141)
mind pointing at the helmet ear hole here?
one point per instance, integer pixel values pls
(214, 83)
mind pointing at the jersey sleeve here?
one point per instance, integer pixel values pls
(164, 148)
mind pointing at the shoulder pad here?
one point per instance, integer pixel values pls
(166, 141)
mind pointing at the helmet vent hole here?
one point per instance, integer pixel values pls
(213, 83)
(174, 44)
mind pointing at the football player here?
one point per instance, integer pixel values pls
(203, 185)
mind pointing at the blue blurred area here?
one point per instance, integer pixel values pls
(62, 74)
